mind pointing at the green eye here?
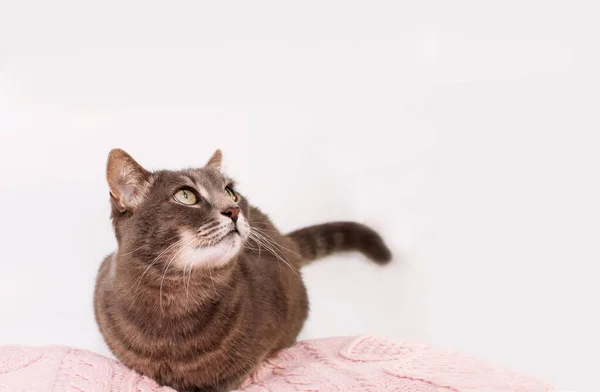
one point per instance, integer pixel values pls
(185, 197)
(231, 193)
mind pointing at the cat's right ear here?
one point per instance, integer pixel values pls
(216, 161)
(128, 181)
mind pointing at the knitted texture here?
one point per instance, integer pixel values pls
(366, 364)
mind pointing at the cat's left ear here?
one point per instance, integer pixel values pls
(216, 161)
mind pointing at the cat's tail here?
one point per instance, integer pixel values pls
(322, 240)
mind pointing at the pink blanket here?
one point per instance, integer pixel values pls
(366, 364)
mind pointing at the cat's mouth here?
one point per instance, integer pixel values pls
(233, 232)
(219, 251)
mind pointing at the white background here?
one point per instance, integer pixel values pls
(466, 132)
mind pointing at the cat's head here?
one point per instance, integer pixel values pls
(187, 218)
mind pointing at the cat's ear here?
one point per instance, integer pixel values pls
(128, 181)
(216, 161)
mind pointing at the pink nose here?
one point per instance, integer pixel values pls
(232, 212)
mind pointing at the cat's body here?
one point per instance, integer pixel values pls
(213, 326)
(197, 295)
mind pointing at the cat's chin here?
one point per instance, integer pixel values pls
(212, 256)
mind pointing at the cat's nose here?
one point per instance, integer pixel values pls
(232, 212)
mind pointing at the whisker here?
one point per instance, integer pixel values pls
(267, 230)
(274, 243)
(191, 265)
(212, 280)
(143, 245)
(247, 244)
(208, 226)
(189, 242)
(261, 223)
(170, 247)
(277, 255)
(268, 244)
(279, 245)
(210, 230)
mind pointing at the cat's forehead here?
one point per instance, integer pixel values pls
(205, 178)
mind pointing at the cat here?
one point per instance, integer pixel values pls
(203, 287)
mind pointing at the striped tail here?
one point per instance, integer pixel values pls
(322, 240)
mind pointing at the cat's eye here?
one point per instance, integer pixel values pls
(231, 193)
(185, 196)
